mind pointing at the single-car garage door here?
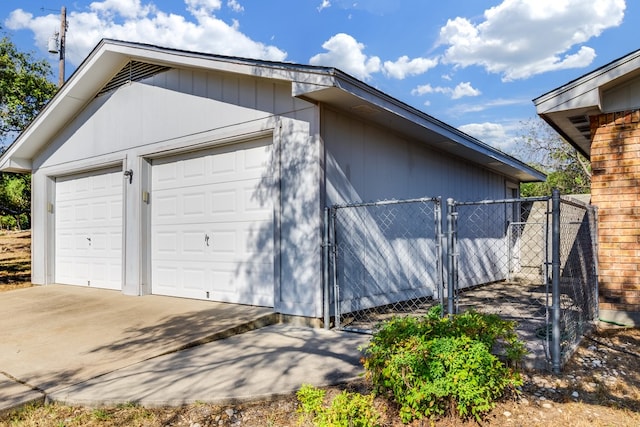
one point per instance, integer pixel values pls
(212, 224)
(88, 229)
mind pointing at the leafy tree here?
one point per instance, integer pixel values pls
(566, 169)
(15, 200)
(24, 88)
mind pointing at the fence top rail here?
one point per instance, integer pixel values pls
(387, 202)
(492, 202)
(574, 203)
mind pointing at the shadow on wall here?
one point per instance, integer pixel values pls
(290, 184)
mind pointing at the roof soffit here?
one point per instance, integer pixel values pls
(567, 108)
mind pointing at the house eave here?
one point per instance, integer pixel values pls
(568, 108)
(360, 99)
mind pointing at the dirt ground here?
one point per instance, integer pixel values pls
(15, 260)
(600, 386)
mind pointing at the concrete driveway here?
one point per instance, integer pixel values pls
(52, 337)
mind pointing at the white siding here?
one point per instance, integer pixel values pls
(366, 163)
(187, 110)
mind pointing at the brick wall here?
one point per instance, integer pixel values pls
(615, 189)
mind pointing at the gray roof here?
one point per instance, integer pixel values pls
(318, 84)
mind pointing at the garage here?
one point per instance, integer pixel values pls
(88, 229)
(212, 224)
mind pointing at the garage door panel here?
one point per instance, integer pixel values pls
(225, 164)
(164, 244)
(194, 243)
(224, 243)
(221, 217)
(255, 242)
(193, 205)
(194, 278)
(88, 224)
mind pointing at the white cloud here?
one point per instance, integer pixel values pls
(404, 67)
(325, 4)
(521, 38)
(493, 134)
(124, 8)
(235, 6)
(425, 89)
(140, 22)
(464, 89)
(344, 52)
(460, 91)
(202, 6)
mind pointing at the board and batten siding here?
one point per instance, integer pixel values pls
(185, 109)
(365, 163)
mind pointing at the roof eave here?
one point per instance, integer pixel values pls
(583, 97)
(436, 133)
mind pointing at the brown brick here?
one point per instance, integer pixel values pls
(606, 306)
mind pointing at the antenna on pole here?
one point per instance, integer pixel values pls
(57, 44)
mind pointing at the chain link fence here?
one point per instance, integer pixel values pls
(386, 260)
(530, 260)
(499, 263)
(577, 286)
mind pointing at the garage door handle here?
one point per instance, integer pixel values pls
(206, 239)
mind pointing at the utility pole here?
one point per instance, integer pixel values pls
(63, 39)
(57, 44)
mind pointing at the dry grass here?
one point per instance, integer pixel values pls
(15, 260)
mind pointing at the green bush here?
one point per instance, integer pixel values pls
(346, 410)
(433, 365)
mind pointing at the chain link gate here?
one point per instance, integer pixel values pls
(385, 260)
(499, 257)
(530, 260)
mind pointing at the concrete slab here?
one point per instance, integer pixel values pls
(14, 394)
(56, 336)
(258, 364)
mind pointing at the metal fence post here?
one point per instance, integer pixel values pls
(334, 250)
(451, 267)
(439, 252)
(325, 270)
(555, 281)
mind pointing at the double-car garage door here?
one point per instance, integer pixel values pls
(211, 226)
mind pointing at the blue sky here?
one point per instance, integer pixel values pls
(474, 64)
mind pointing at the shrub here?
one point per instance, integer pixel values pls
(346, 409)
(433, 365)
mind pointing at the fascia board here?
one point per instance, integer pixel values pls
(586, 91)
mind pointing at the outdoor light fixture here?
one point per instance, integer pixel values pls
(129, 174)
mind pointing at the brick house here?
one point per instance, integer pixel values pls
(599, 114)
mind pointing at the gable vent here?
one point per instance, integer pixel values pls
(132, 72)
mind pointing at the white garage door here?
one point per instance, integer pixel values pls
(88, 229)
(212, 225)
